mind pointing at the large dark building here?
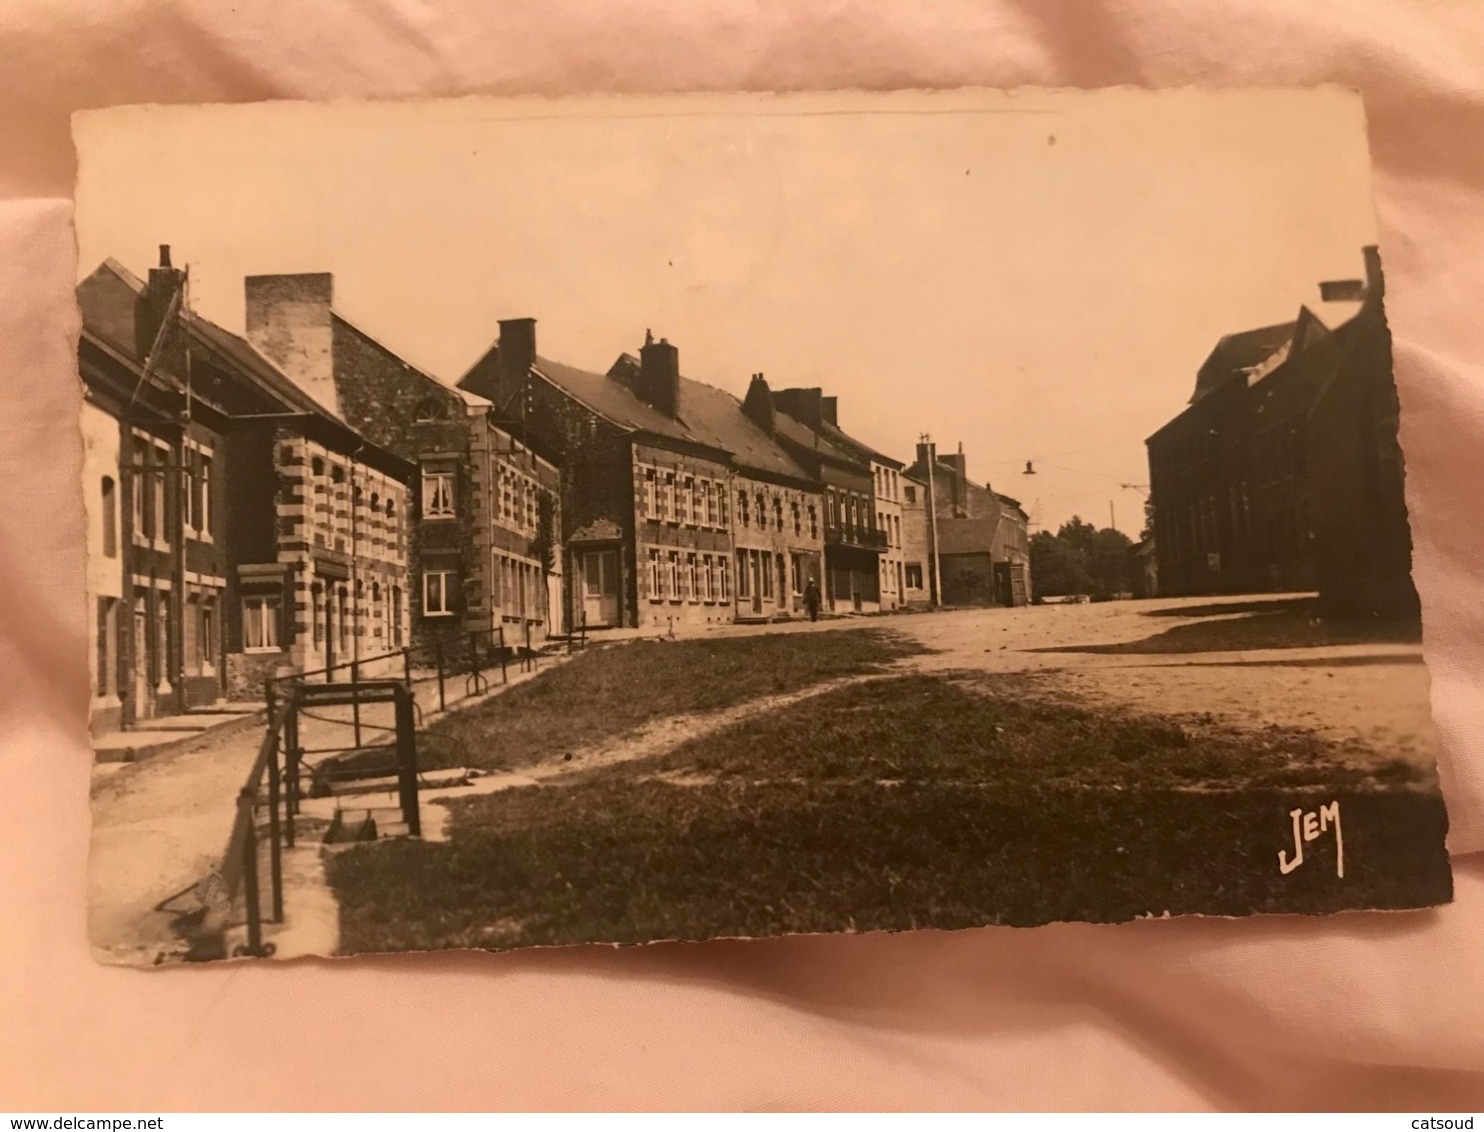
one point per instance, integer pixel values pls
(1284, 473)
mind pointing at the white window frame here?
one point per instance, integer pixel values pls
(266, 627)
(656, 580)
(445, 593)
(431, 491)
(672, 575)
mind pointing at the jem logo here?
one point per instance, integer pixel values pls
(1310, 825)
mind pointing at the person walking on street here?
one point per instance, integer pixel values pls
(811, 599)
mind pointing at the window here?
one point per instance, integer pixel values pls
(909, 493)
(672, 576)
(682, 502)
(157, 479)
(914, 573)
(697, 511)
(138, 478)
(777, 513)
(762, 512)
(656, 583)
(649, 494)
(744, 576)
(692, 588)
(437, 593)
(766, 573)
(706, 578)
(206, 640)
(721, 506)
(437, 495)
(742, 508)
(813, 522)
(260, 623)
(668, 509)
(796, 574)
(709, 489)
(798, 521)
(726, 580)
(203, 497)
(110, 519)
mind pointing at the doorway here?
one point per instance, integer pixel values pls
(600, 587)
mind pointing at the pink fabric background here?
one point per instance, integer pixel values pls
(1358, 1011)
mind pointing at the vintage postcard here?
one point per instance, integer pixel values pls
(521, 522)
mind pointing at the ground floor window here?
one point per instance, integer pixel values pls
(692, 583)
(656, 585)
(726, 579)
(744, 576)
(437, 593)
(260, 617)
(914, 575)
(672, 575)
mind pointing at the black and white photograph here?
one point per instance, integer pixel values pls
(524, 522)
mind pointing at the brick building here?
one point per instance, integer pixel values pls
(805, 423)
(484, 506)
(982, 539)
(209, 527)
(677, 510)
(1284, 471)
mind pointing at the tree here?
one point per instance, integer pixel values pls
(1080, 559)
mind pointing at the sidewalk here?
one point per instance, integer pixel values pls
(161, 824)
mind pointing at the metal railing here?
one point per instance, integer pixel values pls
(278, 767)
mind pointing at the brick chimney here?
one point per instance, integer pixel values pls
(288, 322)
(658, 382)
(960, 471)
(829, 409)
(758, 404)
(805, 405)
(515, 354)
(150, 310)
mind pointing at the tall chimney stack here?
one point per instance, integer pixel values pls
(515, 354)
(758, 404)
(289, 323)
(150, 311)
(804, 405)
(658, 383)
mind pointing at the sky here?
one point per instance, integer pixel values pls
(1034, 275)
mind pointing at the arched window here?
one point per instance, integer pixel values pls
(430, 409)
(110, 519)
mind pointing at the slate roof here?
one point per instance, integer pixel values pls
(103, 315)
(715, 418)
(842, 439)
(1237, 354)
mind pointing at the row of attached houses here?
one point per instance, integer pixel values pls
(301, 497)
(1284, 472)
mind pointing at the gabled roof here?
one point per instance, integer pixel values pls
(102, 296)
(795, 430)
(842, 439)
(715, 417)
(1236, 355)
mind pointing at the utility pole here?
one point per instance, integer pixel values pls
(1112, 522)
(936, 595)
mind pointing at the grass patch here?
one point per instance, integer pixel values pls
(608, 692)
(1009, 730)
(630, 861)
(916, 801)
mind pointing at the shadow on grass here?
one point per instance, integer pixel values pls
(1294, 626)
(905, 802)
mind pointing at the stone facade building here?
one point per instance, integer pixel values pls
(484, 505)
(661, 483)
(225, 512)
